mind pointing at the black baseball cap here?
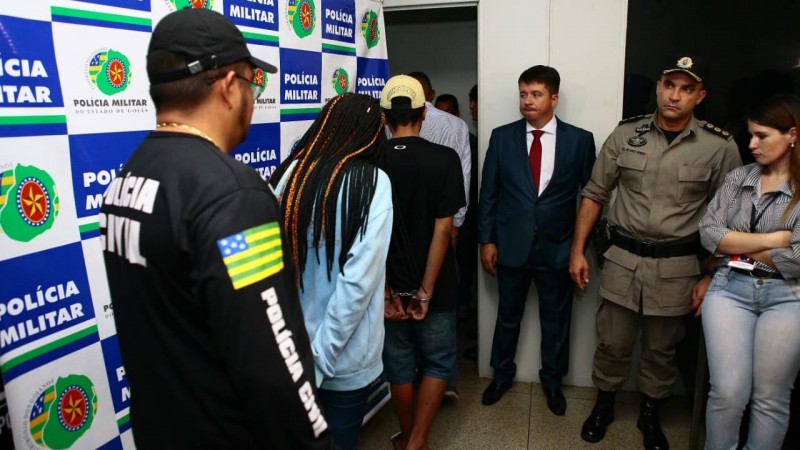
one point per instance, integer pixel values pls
(205, 38)
(689, 64)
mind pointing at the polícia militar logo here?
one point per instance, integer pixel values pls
(370, 29)
(175, 5)
(29, 202)
(109, 71)
(62, 412)
(302, 16)
(340, 81)
(260, 78)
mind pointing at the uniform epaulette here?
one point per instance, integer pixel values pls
(711, 128)
(633, 119)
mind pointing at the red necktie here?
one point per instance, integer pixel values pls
(535, 157)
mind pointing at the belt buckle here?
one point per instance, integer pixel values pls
(764, 276)
(648, 248)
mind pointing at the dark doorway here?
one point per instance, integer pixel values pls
(752, 50)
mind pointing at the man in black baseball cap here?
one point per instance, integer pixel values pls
(208, 320)
(205, 39)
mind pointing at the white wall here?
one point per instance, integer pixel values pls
(446, 52)
(585, 41)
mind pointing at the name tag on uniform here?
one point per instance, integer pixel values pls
(741, 262)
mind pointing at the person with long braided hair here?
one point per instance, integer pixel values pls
(337, 211)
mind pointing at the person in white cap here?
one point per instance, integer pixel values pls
(420, 309)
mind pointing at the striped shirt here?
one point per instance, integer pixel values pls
(446, 129)
(732, 209)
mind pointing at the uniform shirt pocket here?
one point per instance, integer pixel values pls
(618, 271)
(677, 278)
(632, 169)
(693, 183)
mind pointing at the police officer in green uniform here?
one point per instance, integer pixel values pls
(665, 167)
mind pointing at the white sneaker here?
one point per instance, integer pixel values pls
(451, 394)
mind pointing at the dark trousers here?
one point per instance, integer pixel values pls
(555, 289)
(467, 259)
(344, 411)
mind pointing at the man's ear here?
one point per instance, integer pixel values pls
(701, 96)
(227, 89)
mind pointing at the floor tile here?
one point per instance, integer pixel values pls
(586, 393)
(548, 431)
(463, 424)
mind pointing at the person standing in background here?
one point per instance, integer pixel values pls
(447, 103)
(337, 208)
(467, 253)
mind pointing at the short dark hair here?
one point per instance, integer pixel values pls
(447, 98)
(186, 93)
(546, 75)
(402, 113)
(473, 94)
(423, 80)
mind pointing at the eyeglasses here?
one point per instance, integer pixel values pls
(257, 84)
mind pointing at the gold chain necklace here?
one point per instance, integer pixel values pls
(188, 128)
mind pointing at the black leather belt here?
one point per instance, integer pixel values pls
(647, 249)
(759, 273)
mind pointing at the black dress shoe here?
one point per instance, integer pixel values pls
(594, 428)
(494, 392)
(555, 400)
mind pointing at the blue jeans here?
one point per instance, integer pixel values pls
(431, 341)
(752, 330)
(344, 412)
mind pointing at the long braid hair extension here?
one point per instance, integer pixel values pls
(342, 150)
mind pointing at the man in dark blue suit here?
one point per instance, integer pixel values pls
(532, 176)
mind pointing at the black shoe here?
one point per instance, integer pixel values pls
(471, 353)
(494, 392)
(648, 424)
(555, 400)
(594, 428)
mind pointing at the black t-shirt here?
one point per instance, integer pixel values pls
(428, 184)
(208, 320)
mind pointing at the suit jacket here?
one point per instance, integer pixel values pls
(510, 212)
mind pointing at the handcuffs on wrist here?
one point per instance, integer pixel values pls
(412, 294)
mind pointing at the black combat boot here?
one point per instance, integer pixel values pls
(594, 428)
(649, 425)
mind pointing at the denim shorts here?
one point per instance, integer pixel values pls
(431, 343)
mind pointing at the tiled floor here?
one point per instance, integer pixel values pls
(521, 419)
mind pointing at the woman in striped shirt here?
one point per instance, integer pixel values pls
(751, 313)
